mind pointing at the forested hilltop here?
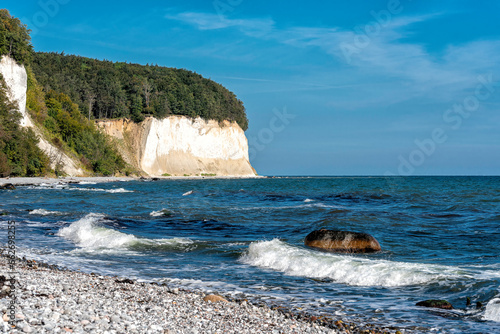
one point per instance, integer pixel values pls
(105, 89)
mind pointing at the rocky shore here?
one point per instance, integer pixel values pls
(36, 181)
(53, 300)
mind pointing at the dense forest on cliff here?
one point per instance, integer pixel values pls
(105, 89)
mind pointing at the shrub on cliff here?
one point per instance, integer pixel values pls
(104, 89)
(15, 40)
(70, 130)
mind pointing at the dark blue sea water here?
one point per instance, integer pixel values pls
(244, 237)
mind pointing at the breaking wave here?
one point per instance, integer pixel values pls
(89, 233)
(161, 213)
(345, 269)
(111, 191)
(492, 311)
(43, 212)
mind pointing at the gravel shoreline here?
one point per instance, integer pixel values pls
(24, 181)
(53, 300)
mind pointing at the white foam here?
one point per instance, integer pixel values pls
(288, 207)
(325, 206)
(43, 212)
(160, 213)
(86, 182)
(346, 269)
(90, 234)
(38, 224)
(119, 190)
(492, 311)
(307, 200)
(86, 233)
(59, 185)
(111, 191)
(187, 193)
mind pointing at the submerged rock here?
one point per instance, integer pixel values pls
(436, 303)
(342, 241)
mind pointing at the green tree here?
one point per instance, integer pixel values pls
(15, 40)
(69, 127)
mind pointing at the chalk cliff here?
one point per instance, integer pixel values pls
(17, 80)
(178, 145)
(175, 145)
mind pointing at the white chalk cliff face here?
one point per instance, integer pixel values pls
(17, 81)
(178, 145)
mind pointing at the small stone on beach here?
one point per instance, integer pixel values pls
(214, 299)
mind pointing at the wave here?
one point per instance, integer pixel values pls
(345, 269)
(492, 311)
(161, 213)
(307, 205)
(37, 224)
(188, 193)
(43, 212)
(88, 233)
(307, 200)
(111, 191)
(58, 185)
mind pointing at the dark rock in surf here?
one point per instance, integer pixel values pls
(436, 303)
(342, 241)
(125, 280)
(7, 186)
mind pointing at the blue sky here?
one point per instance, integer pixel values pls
(330, 88)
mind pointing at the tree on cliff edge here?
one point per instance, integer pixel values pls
(15, 40)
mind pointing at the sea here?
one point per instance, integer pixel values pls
(244, 238)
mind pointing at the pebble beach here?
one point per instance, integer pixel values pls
(49, 300)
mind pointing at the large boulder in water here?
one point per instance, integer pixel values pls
(342, 241)
(436, 303)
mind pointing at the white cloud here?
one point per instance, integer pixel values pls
(386, 54)
(207, 21)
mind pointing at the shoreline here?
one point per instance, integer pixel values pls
(51, 299)
(29, 181)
